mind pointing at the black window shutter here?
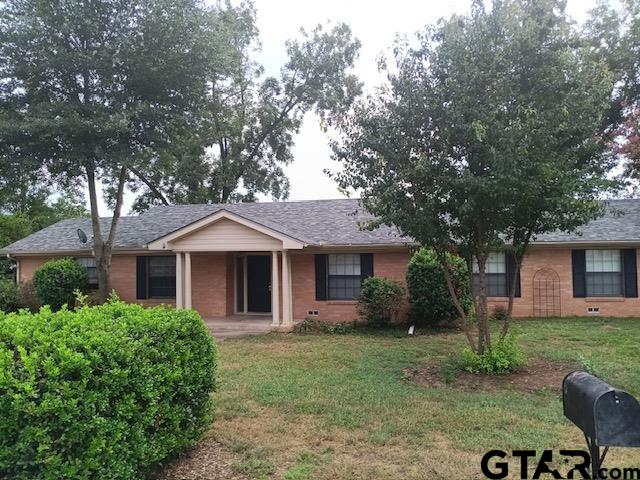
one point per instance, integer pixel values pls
(630, 272)
(578, 271)
(366, 265)
(141, 278)
(321, 277)
(511, 266)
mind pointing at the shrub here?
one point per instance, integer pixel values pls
(380, 301)
(312, 325)
(499, 314)
(502, 358)
(28, 297)
(101, 392)
(56, 280)
(429, 296)
(9, 296)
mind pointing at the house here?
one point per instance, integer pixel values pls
(292, 260)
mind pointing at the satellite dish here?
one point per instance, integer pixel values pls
(82, 236)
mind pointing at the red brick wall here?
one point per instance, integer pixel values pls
(559, 260)
(385, 264)
(213, 285)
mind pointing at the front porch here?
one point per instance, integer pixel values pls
(235, 272)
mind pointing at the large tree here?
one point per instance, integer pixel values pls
(484, 137)
(614, 34)
(246, 137)
(90, 89)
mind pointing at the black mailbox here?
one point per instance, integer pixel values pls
(608, 417)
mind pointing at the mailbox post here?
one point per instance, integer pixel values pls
(608, 417)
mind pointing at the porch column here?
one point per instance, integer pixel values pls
(286, 289)
(187, 280)
(275, 290)
(179, 281)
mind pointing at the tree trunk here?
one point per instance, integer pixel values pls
(103, 250)
(480, 303)
(442, 258)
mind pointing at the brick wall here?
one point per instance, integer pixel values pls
(213, 284)
(559, 260)
(385, 264)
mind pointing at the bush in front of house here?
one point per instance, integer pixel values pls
(56, 280)
(429, 296)
(503, 357)
(380, 301)
(28, 297)
(101, 392)
(9, 296)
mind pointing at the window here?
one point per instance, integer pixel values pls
(344, 276)
(603, 269)
(495, 275)
(161, 277)
(89, 263)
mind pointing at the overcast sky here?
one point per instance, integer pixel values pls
(375, 23)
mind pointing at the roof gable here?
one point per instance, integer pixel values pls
(225, 231)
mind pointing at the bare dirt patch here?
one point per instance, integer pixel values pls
(208, 460)
(539, 374)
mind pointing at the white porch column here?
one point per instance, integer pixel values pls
(187, 280)
(179, 281)
(286, 289)
(275, 290)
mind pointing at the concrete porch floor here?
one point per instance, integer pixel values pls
(238, 326)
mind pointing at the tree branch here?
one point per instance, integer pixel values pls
(155, 190)
(122, 178)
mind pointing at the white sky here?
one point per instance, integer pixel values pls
(375, 23)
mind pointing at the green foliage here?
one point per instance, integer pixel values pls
(430, 300)
(486, 135)
(251, 118)
(101, 392)
(312, 325)
(28, 298)
(499, 314)
(9, 296)
(503, 357)
(380, 301)
(56, 281)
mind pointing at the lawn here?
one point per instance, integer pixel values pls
(341, 406)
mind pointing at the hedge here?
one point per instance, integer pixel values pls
(56, 281)
(101, 392)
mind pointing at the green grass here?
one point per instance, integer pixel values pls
(339, 406)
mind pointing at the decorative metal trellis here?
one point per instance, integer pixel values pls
(546, 293)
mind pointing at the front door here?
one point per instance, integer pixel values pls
(258, 283)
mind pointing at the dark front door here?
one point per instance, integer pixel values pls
(258, 282)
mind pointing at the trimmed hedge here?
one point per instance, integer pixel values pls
(56, 281)
(101, 392)
(428, 293)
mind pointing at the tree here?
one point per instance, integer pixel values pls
(614, 35)
(484, 137)
(92, 88)
(247, 135)
(22, 216)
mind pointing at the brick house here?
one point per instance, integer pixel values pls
(290, 260)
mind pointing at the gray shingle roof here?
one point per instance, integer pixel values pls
(620, 223)
(316, 223)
